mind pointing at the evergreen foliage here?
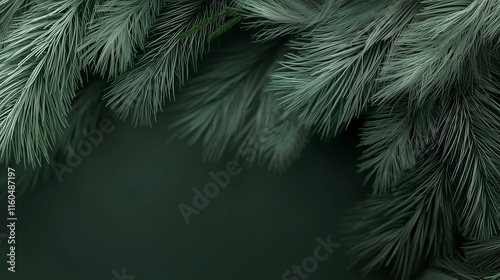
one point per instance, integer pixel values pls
(8, 11)
(87, 111)
(117, 30)
(141, 92)
(424, 75)
(40, 72)
(234, 86)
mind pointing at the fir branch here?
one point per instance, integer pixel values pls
(468, 141)
(206, 23)
(237, 17)
(225, 27)
(118, 30)
(491, 33)
(38, 76)
(438, 49)
(333, 75)
(230, 86)
(9, 10)
(282, 143)
(271, 136)
(484, 255)
(278, 18)
(408, 228)
(141, 91)
(328, 103)
(394, 138)
(86, 112)
(472, 144)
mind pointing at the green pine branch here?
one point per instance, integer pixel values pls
(394, 138)
(226, 87)
(439, 48)
(225, 27)
(9, 10)
(39, 73)
(271, 136)
(333, 74)
(116, 33)
(483, 255)
(227, 12)
(141, 92)
(409, 227)
(472, 145)
(279, 18)
(87, 111)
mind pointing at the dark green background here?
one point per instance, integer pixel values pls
(119, 209)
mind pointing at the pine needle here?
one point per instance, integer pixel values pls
(332, 76)
(271, 136)
(471, 141)
(230, 85)
(406, 229)
(141, 92)
(118, 30)
(39, 72)
(439, 48)
(9, 10)
(279, 18)
(484, 255)
(86, 112)
(394, 138)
